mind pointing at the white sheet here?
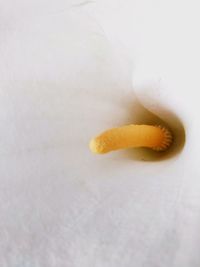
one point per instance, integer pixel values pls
(65, 75)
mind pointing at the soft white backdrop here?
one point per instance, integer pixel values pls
(68, 70)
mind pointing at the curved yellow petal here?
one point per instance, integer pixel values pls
(155, 137)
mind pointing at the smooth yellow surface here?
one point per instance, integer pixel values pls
(154, 137)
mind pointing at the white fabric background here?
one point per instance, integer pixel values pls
(66, 72)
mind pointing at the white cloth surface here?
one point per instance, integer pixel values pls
(66, 73)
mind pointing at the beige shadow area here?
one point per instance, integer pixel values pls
(138, 114)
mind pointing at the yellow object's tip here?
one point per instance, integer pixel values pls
(167, 139)
(96, 146)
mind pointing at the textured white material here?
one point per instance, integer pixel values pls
(66, 72)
